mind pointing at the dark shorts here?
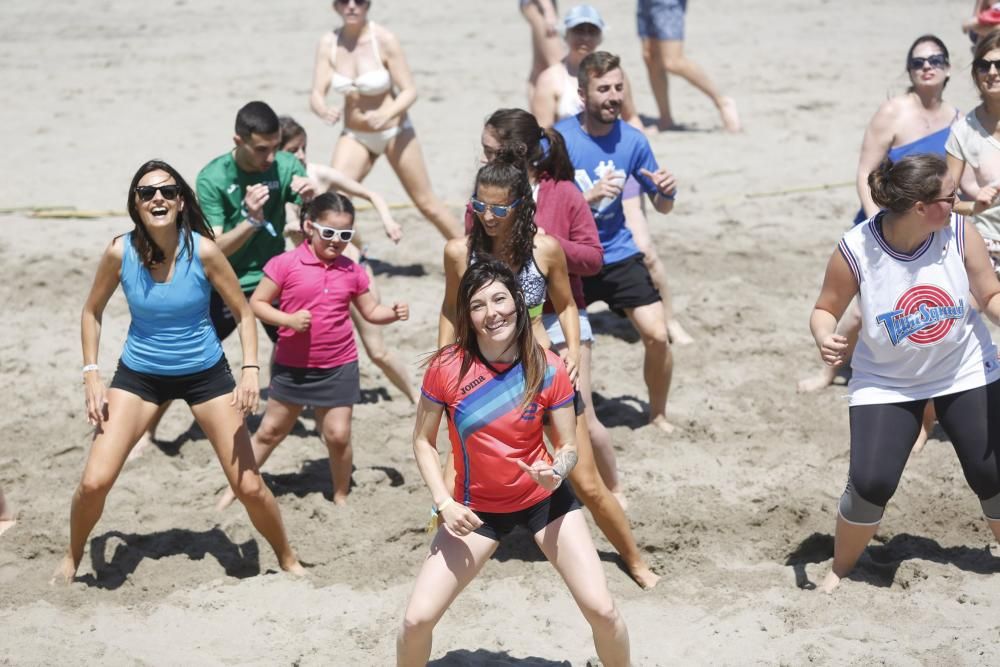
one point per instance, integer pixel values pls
(661, 20)
(318, 387)
(224, 322)
(579, 407)
(534, 518)
(624, 284)
(194, 388)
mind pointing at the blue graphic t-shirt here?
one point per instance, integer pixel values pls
(625, 150)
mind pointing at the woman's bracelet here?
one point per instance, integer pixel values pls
(447, 502)
(246, 366)
(90, 367)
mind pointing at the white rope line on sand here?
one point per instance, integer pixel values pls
(70, 212)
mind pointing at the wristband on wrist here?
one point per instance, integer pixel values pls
(90, 367)
(447, 502)
(246, 366)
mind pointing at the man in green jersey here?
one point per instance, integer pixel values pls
(243, 195)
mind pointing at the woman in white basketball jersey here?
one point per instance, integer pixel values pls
(913, 266)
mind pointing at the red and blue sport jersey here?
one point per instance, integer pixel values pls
(490, 431)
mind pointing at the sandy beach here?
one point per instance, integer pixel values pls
(735, 511)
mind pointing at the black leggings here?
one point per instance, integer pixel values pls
(882, 437)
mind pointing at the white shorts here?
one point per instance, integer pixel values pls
(551, 323)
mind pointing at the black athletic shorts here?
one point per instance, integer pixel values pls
(624, 284)
(224, 322)
(534, 518)
(194, 388)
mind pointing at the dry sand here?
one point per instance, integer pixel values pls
(735, 511)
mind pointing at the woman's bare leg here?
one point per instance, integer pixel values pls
(606, 509)
(128, 417)
(926, 426)
(452, 563)
(351, 158)
(335, 425)
(849, 543)
(566, 543)
(637, 223)
(149, 437)
(604, 452)
(407, 160)
(374, 343)
(546, 48)
(230, 439)
(278, 421)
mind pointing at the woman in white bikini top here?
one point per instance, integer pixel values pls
(365, 63)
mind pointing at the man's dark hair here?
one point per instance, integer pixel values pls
(256, 118)
(596, 65)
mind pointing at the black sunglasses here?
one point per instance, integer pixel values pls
(983, 65)
(147, 192)
(937, 61)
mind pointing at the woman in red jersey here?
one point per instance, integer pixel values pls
(496, 384)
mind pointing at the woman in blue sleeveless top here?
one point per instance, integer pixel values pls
(167, 267)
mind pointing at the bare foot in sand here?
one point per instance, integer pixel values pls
(730, 116)
(64, 573)
(294, 567)
(7, 524)
(340, 499)
(830, 583)
(643, 576)
(226, 499)
(820, 380)
(8, 518)
(678, 335)
(661, 423)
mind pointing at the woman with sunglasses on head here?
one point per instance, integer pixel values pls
(364, 62)
(561, 214)
(500, 391)
(293, 140)
(557, 96)
(912, 267)
(167, 267)
(316, 361)
(918, 121)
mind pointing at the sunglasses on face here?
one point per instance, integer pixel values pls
(357, 3)
(951, 199)
(147, 192)
(983, 66)
(497, 210)
(333, 234)
(937, 61)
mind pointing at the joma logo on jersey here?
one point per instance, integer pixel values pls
(924, 314)
(472, 385)
(530, 412)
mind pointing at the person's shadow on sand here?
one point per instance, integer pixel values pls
(484, 658)
(519, 545)
(314, 477)
(880, 562)
(238, 560)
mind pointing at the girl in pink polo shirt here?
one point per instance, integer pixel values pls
(316, 361)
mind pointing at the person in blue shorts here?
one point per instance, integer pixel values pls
(605, 151)
(661, 28)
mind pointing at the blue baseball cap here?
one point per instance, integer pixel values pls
(581, 14)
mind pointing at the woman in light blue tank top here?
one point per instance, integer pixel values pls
(167, 267)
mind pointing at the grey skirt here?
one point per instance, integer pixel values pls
(318, 387)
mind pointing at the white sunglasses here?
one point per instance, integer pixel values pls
(331, 233)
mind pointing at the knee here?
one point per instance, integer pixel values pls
(602, 616)
(94, 488)
(864, 500)
(649, 56)
(336, 436)
(250, 488)
(268, 435)
(672, 65)
(379, 354)
(416, 624)
(656, 337)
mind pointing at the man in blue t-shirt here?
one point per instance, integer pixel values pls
(605, 151)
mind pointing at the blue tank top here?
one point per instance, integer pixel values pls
(170, 333)
(933, 143)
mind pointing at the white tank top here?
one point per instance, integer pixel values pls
(920, 338)
(569, 99)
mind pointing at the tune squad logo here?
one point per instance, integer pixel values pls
(924, 314)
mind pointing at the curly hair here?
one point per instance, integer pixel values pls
(507, 171)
